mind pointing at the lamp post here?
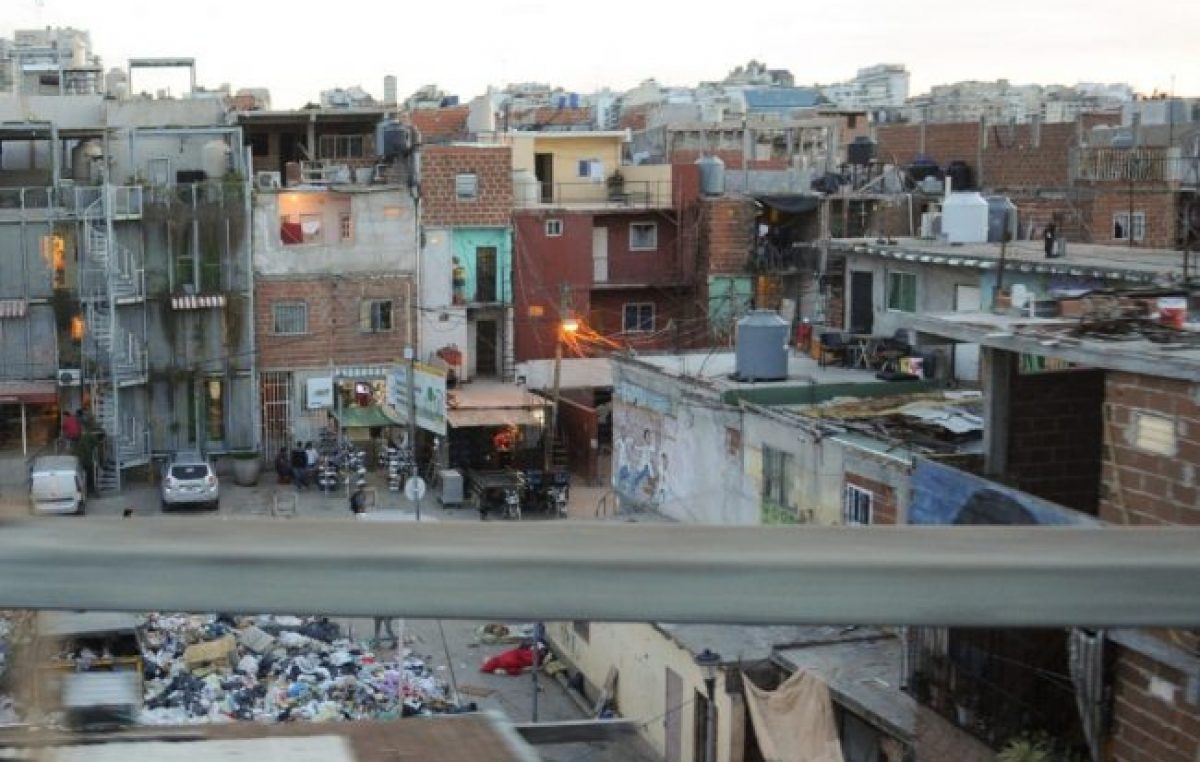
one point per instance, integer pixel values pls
(708, 662)
(567, 326)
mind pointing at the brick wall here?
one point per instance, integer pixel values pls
(1054, 437)
(727, 234)
(731, 157)
(1028, 156)
(541, 265)
(1148, 726)
(1158, 205)
(334, 334)
(883, 501)
(675, 326)
(491, 164)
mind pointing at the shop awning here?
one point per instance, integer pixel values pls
(492, 416)
(791, 203)
(28, 392)
(13, 308)
(365, 417)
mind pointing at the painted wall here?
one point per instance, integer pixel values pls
(441, 325)
(384, 238)
(466, 243)
(568, 151)
(542, 265)
(642, 654)
(935, 289)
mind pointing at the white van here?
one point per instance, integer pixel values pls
(57, 485)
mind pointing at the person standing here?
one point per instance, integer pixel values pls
(1050, 237)
(300, 466)
(283, 466)
(72, 429)
(311, 458)
(358, 500)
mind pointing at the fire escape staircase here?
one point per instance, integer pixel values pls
(111, 277)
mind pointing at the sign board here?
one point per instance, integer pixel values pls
(414, 489)
(430, 386)
(320, 393)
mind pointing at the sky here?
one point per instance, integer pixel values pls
(300, 47)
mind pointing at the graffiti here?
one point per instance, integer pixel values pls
(641, 465)
(944, 495)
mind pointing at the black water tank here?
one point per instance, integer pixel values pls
(961, 176)
(923, 167)
(861, 152)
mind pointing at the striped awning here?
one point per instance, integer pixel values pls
(13, 308)
(200, 302)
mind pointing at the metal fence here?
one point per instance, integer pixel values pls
(1140, 165)
(636, 194)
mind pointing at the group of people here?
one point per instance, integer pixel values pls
(300, 465)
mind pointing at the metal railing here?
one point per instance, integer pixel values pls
(126, 200)
(635, 194)
(1141, 165)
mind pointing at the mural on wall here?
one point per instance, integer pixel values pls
(945, 495)
(642, 433)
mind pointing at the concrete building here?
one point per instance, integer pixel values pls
(50, 61)
(881, 85)
(335, 261)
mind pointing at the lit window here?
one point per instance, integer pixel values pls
(466, 186)
(638, 318)
(902, 292)
(856, 505)
(554, 228)
(536, 310)
(289, 318)
(375, 316)
(643, 236)
(1120, 228)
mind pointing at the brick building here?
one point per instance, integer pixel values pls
(466, 258)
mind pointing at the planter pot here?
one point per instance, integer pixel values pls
(245, 472)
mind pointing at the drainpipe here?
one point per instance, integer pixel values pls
(251, 321)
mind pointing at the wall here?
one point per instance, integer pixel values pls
(568, 150)
(441, 325)
(440, 204)
(1158, 206)
(943, 494)
(727, 234)
(661, 265)
(580, 431)
(888, 481)
(935, 289)
(641, 654)
(1055, 432)
(333, 334)
(675, 326)
(385, 235)
(813, 476)
(541, 266)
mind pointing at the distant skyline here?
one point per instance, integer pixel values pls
(299, 48)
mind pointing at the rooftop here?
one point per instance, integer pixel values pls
(1123, 263)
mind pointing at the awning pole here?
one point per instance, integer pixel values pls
(24, 432)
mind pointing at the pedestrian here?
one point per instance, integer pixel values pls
(358, 500)
(283, 466)
(312, 457)
(384, 624)
(300, 466)
(1050, 237)
(72, 429)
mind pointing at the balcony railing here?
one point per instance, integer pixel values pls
(126, 200)
(1140, 165)
(631, 194)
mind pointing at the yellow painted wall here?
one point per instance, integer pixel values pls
(642, 654)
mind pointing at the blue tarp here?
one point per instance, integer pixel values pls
(945, 495)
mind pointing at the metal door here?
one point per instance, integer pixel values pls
(600, 254)
(862, 302)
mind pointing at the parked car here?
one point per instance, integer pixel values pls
(57, 484)
(190, 480)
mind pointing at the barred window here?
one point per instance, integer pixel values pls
(856, 505)
(289, 318)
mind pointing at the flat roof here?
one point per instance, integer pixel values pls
(1137, 264)
(1049, 337)
(717, 367)
(740, 643)
(478, 395)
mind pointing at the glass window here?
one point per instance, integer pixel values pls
(775, 467)
(347, 227)
(466, 186)
(375, 315)
(643, 236)
(214, 409)
(1121, 231)
(902, 292)
(554, 228)
(638, 318)
(289, 318)
(856, 505)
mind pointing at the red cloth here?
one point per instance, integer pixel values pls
(72, 428)
(290, 233)
(513, 662)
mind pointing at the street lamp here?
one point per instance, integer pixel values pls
(708, 662)
(567, 326)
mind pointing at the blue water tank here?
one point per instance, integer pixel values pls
(761, 352)
(574, 100)
(712, 175)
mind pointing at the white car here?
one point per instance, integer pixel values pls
(190, 480)
(57, 485)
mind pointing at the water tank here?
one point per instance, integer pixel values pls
(214, 159)
(395, 139)
(527, 191)
(861, 152)
(960, 175)
(83, 155)
(573, 100)
(712, 175)
(389, 90)
(965, 218)
(762, 347)
(1002, 216)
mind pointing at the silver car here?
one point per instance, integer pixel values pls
(190, 480)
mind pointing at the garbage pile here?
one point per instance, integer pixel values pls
(10, 710)
(276, 669)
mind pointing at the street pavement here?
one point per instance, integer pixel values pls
(458, 658)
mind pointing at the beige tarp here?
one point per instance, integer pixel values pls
(795, 722)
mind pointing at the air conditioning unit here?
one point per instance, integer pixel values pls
(70, 377)
(268, 180)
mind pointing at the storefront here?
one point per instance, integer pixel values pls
(29, 415)
(495, 425)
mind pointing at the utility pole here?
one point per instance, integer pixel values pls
(410, 355)
(566, 324)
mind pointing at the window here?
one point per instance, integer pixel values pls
(343, 146)
(375, 316)
(902, 292)
(214, 409)
(346, 223)
(289, 318)
(590, 169)
(536, 310)
(466, 186)
(638, 318)
(775, 467)
(554, 228)
(295, 229)
(1120, 228)
(733, 440)
(1154, 434)
(856, 505)
(643, 236)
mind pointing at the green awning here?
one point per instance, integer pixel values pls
(364, 417)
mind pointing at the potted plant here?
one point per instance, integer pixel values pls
(247, 465)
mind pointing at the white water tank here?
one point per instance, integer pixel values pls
(761, 352)
(214, 159)
(527, 191)
(83, 156)
(965, 218)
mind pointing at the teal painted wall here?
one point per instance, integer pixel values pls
(728, 299)
(468, 240)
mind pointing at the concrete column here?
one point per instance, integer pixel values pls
(996, 369)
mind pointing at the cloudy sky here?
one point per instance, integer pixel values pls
(300, 47)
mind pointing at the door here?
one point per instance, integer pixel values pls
(486, 343)
(485, 274)
(600, 255)
(862, 302)
(966, 356)
(543, 170)
(673, 718)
